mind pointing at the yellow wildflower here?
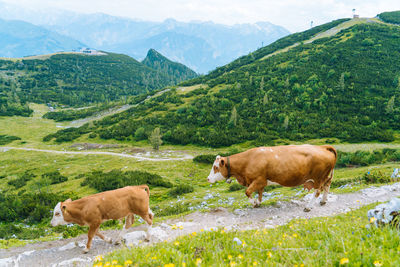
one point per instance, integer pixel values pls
(198, 261)
(98, 265)
(154, 258)
(194, 233)
(255, 263)
(202, 230)
(372, 220)
(269, 254)
(98, 258)
(377, 263)
(240, 256)
(302, 265)
(232, 263)
(169, 265)
(294, 235)
(107, 264)
(173, 227)
(344, 261)
(114, 262)
(128, 262)
(183, 264)
(181, 227)
(295, 265)
(230, 257)
(222, 231)
(176, 243)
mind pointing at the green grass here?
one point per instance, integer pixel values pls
(316, 242)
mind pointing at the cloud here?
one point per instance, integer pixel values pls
(294, 15)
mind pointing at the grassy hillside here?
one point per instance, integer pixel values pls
(345, 85)
(76, 79)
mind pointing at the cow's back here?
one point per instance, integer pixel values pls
(289, 165)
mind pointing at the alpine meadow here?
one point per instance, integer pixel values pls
(75, 124)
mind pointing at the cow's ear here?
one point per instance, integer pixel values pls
(68, 200)
(218, 157)
(222, 162)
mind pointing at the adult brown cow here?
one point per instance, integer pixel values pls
(294, 165)
(109, 205)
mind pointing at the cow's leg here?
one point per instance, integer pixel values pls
(326, 188)
(260, 192)
(129, 219)
(312, 201)
(256, 185)
(148, 217)
(93, 228)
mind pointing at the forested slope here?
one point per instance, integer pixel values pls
(77, 80)
(345, 86)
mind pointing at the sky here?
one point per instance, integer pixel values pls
(294, 15)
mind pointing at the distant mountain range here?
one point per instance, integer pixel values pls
(202, 46)
(19, 38)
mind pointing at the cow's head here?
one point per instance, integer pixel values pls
(219, 170)
(58, 213)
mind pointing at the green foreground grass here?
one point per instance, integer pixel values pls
(325, 241)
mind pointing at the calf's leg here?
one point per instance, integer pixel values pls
(129, 219)
(105, 238)
(148, 217)
(93, 228)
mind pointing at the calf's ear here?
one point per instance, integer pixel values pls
(222, 162)
(68, 200)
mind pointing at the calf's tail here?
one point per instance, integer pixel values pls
(146, 188)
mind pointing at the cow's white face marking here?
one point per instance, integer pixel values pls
(276, 156)
(215, 174)
(271, 150)
(58, 217)
(262, 149)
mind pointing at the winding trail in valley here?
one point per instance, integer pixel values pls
(138, 156)
(68, 252)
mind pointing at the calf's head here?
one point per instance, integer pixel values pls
(219, 170)
(58, 213)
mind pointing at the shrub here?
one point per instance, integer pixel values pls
(5, 139)
(235, 187)
(114, 179)
(55, 177)
(205, 158)
(375, 177)
(180, 190)
(21, 181)
(176, 208)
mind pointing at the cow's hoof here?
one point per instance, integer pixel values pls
(257, 205)
(307, 209)
(322, 203)
(147, 239)
(108, 240)
(85, 250)
(117, 242)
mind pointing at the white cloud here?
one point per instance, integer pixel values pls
(295, 15)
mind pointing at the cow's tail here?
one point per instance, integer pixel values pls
(331, 149)
(146, 188)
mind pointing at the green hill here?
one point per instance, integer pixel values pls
(76, 79)
(340, 80)
(390, 17)
(178, 72)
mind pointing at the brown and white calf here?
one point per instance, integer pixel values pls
(110, 205)
(294, 165)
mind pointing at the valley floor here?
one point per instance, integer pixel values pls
(68, 252)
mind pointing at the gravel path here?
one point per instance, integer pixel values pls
(68, 252)
(138, 156)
